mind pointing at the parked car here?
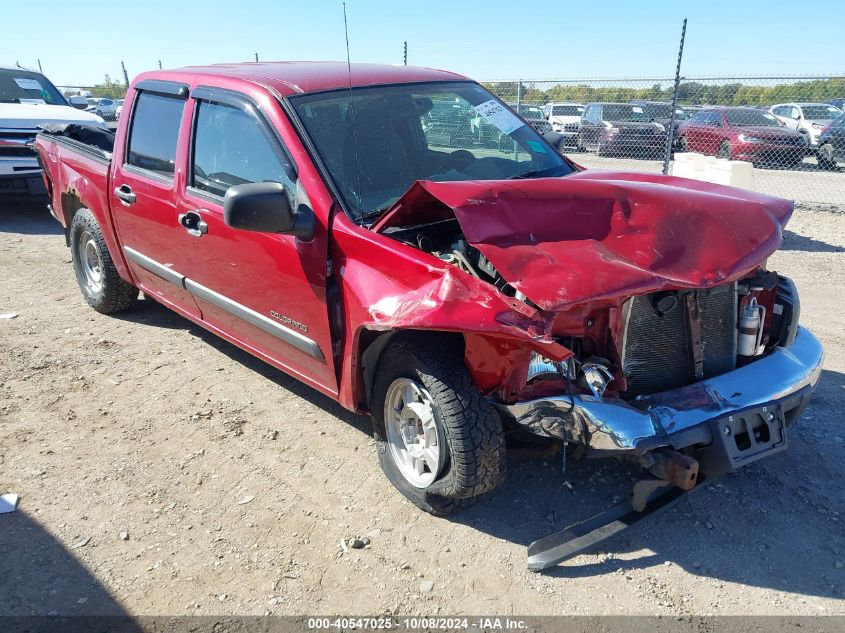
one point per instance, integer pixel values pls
(27, 101)
(839, 103)
(832, 144)
(452, 293)
(118, 108)
(741, 133)
(807, 118)
(78, 101)
(661, 112)
(620, 128)
(565, 117)
(534, 115)
(106, 108)
(448, 124)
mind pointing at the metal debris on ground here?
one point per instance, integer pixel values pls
(9, 503)
(8, 315)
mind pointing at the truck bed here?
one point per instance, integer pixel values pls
(83, 138)
(76, 160)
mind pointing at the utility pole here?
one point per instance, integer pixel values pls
(159, 64)
(125, 75)
(405, 54)
(670, 132)
(256, 57)
(39, 67)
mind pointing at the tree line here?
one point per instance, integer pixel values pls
(689, 92)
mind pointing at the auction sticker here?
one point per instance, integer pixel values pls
(497, 114)
(28, 84)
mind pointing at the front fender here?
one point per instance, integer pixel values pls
(388, 286)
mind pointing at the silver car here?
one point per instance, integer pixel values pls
(808, 118)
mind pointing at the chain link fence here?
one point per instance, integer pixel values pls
(788, 132)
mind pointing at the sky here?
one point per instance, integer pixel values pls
(78, 43)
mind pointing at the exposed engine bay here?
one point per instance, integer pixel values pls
(445, 240)
(661, 340)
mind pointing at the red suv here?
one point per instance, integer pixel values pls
(741, 134)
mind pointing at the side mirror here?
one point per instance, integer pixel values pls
(264, 207)
(555, 140)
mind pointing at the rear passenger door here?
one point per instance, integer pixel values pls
(264, 291)
(143, 195)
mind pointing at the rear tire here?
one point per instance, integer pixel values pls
(448, 421)
(101, 286)
(683, 145)
(725, 150)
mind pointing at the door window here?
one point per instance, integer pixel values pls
(231, 148)
(154, 133)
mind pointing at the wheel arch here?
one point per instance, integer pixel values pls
(71, 203)
(372, 344)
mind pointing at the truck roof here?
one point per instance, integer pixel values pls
(299, 77)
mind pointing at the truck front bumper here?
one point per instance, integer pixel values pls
(748, 408)
(23, 182)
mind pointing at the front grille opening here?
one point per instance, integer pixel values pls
(762, 434)
(743, 441)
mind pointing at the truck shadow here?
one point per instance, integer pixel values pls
(41, 577)
(796, 242)
(750, 527)
(27, 216)
(148, 312)
(740, 528)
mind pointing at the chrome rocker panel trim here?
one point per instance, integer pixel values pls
(268, 325)
(615, 425)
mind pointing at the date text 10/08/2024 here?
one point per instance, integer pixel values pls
(416, 623)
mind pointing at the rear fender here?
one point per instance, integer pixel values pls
(75, 189)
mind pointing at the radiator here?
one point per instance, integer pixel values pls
(656, 349)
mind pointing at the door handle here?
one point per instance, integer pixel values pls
(193, 223)
(124, 192)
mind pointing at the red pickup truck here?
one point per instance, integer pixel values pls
(460, 291)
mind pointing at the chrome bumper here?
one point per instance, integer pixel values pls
(613, 425)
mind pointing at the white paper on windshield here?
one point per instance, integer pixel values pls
(28, 84)
(497, 114)
(33, 101)
(637, 109)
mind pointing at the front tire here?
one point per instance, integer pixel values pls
(101, 286)
(440, 442)
(825, 157)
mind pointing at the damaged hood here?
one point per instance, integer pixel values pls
(603, 235)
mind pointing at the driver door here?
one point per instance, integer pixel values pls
(265, 292)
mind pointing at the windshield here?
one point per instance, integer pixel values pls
(23, 86)
(567, 110)
(663, 111)
(531, 111)
(820, 112)
(392, 136)
(751, 117)
(623, 113)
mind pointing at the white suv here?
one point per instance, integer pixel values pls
(28, 100)
(565, 117)
(808, 118)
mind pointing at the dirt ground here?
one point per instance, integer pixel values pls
(163, 471)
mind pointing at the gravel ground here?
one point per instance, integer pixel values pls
(163, 471)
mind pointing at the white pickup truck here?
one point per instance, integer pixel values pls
(28, 100)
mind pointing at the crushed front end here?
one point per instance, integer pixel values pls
(669, 341)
